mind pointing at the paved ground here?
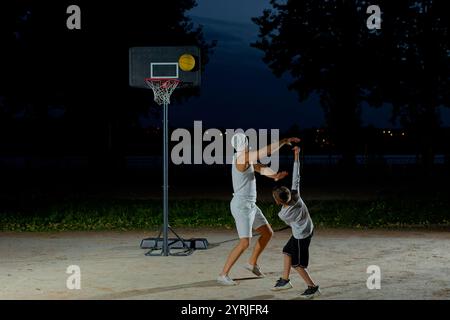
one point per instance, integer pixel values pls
(414, 265)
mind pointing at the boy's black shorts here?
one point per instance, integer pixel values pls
(298, 250)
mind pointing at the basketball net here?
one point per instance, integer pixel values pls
(162, 89)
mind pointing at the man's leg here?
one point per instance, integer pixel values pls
(235, 254)
(266, 233)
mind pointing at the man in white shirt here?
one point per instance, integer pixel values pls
(243, 206)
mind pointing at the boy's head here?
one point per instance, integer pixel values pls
(281, 195)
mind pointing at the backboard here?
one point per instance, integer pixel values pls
(163, 63)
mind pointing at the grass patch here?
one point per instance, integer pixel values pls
(96, 215)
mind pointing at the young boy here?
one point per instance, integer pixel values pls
(295, 214)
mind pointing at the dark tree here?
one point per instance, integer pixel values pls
(85, 71)
(327, 49)
(321, 44)
(415, 73)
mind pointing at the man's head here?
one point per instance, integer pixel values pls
(281, 195)
(239, 142)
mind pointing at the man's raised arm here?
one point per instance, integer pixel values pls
(254, 156)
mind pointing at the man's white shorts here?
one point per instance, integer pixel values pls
(247, 216)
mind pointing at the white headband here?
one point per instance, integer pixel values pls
(239, 142)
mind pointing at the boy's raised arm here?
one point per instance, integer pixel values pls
(296, 172)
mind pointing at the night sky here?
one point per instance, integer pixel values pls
(228, 83)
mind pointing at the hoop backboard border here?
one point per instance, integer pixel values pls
(140, 59)
(164, 64)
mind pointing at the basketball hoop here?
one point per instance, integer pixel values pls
(163, 69)
(162, 88)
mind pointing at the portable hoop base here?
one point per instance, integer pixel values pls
(175, 243)
(157, 245)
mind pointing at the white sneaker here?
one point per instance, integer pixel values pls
(311, 292)
(282, 284)
(226, 281)
(255, 270)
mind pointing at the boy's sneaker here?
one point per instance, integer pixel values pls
(282, 284)
(254, 269)
(311, 292)
(226, 281)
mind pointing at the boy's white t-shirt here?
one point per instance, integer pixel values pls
(296, 214)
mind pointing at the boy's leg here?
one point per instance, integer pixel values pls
(284, 283)
(303, 261)
(234, 255)
(287, 266)
(303, 272)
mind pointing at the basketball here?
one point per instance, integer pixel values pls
(186, 62)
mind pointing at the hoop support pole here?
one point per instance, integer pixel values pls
(165, 180)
